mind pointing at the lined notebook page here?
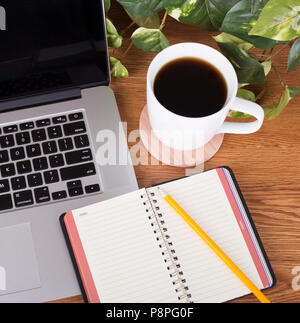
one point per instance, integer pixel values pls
(122, 251)
(208, 278)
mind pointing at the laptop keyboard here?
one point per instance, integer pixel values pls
(45, 160)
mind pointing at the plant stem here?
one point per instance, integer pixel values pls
(270, 56)
(126, 51)
(131, 44)
(123, 32)
(263, 55)
(164, 21)
(261, 94)
(278, 75)
(279, 51)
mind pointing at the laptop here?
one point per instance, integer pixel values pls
(62, 145)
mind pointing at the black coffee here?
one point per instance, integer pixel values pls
(191, 87)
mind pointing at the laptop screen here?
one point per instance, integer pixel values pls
(51, 44)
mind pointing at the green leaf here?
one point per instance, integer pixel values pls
(142, 8)
(106, 6)
(294, 91)
(152, 22)
(190, 12)
(238, 115)
(241, 85)
(113, 38)
(294, 56)
(272, 111)
(217, 10)
(227, 38)
(246, 94)
(248, 69)
(117, 68)
(267, 65)
(240, 20)
(149, 40)
(279, 20)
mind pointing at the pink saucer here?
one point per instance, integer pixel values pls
(173, 157)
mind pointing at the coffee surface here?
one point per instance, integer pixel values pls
(191, 87)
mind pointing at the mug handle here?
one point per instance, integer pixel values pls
(247, 107)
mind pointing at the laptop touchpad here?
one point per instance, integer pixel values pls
(18, 261)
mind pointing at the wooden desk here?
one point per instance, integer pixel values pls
(267, 164)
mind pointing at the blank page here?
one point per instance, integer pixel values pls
(123, 255)
(204, 199)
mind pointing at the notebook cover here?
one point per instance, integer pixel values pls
(244, 205)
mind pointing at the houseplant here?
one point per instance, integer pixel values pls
(252, 32)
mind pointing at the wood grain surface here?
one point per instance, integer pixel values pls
(266, 164)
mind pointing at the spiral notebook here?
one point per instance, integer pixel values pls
(136, 249)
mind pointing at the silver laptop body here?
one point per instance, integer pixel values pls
(52, 146)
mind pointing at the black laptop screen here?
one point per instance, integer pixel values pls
(51, 44)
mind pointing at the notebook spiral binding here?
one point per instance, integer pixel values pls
(167, 249)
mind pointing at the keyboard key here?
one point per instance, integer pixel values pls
(24, 167)
(75, 191)
(56, 161)
(4, 186)
(76, 116)
(49, 147)
(59, 195)
(75, 128)
(74, 184)
(40, 164)
(42, 195)
(79, 156)
(27, 125)
(75, 188)
(17, 153)
(55, 132)
(65, 144)
(51, 177)
(23, 138)
(43, 123)
(23, 198)
(33, 151)
(78, 171)
(18, 183)
(5, 202)
(4, 158)
(35, 180)
(92, 188)
(82, 141)
(60, 119)
(38, 135)
(10, 129)
(8, 170)
(7, 141)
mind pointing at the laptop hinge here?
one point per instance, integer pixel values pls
(41, 99)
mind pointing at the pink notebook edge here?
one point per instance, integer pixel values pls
(243, 227)
(81, 259)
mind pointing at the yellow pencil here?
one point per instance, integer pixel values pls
(261, 297)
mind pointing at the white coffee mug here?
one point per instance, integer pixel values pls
(183, 133)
